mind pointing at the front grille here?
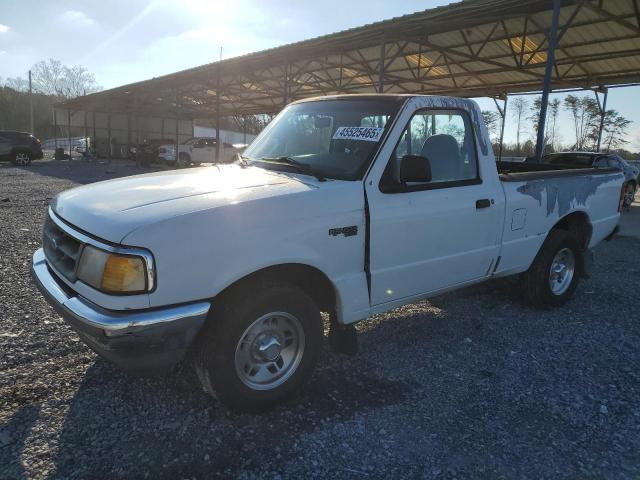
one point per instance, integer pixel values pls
(61, 249)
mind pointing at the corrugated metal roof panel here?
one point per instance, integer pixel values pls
(476, 47)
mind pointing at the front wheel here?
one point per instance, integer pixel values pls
(259, 348)
(554, 274)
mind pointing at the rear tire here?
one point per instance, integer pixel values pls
(183, 161)
(555, 272)
(260, 347)
(629, 194)
(21, 158)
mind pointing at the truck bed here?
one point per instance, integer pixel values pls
(521, 171)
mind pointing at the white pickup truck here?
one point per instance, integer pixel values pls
(197, 150)
(349, 205)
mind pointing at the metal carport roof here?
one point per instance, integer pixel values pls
(471, 48)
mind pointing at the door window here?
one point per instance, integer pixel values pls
(446, 139)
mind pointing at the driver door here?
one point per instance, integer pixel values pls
(209, 154)
(197, 151)
(428, 236)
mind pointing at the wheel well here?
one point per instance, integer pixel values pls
(576, 223)
(313, 281)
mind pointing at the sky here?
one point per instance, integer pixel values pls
(123, 41)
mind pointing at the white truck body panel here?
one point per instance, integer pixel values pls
(209, 227)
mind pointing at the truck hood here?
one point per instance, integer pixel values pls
(112, 209)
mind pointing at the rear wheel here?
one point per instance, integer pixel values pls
(22, 158)
(629, 194)
(259, 348)
(183, 160)
(554, 274)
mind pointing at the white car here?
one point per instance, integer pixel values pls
(350, 205)
(197, 151)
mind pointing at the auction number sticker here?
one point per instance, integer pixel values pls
(368, 134)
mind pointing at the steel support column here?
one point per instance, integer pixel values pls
(94, 140)
(69, 130)
(109, 137)
(31, 105)
(548, 71)
(244, 129)
(603, 113)
(381, 66)
(128, 135)
(86, 134)
(55, 129)
(218, 84)
(177, 154)
(285, 90)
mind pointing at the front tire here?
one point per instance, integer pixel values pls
(260, 347)
(554, 275)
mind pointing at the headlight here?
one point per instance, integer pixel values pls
(114, 272)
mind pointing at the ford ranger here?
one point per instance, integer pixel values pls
(346, 205)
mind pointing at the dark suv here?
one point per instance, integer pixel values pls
(19, 147)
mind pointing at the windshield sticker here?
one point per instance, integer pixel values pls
(367, 134)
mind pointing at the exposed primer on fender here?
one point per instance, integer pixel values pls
(566, 191)
(468, 106)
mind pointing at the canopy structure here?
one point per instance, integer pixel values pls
(471, 48)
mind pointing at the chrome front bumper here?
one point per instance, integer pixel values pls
(135, 340)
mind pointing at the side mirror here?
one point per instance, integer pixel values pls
(414, 168)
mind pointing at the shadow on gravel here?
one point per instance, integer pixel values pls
(83, 172)
(157, 426)
(12, 437)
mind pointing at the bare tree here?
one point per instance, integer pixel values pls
(48, 77)
(52, 82)
(492, 121)
(549, 126)
(18, 84)
(51, 77)
(520, 106)
(554, 110)
(615, 130)
(252, 124)
(585, 113)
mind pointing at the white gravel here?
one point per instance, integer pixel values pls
(468, 385)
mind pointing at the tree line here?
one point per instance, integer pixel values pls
(584, 113)
(53, 82)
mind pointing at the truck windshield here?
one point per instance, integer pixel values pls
(335, 138)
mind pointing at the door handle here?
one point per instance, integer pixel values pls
(483, 203)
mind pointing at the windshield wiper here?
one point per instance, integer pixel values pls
(301, 167)
(243, 161)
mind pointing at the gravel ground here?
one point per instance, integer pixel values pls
(468, 385)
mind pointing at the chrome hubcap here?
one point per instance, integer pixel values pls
(562, 271)
(269, 351)
(22, 159)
